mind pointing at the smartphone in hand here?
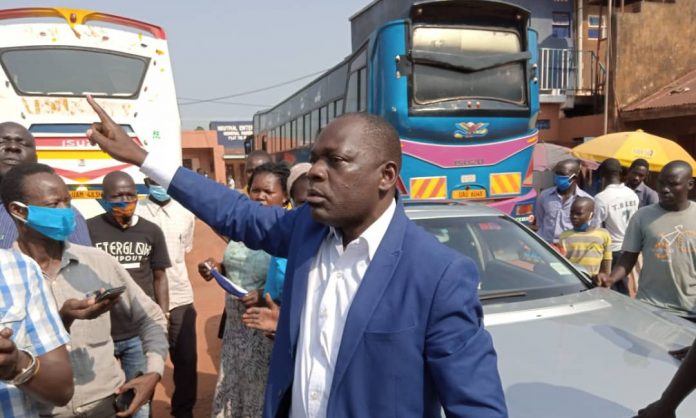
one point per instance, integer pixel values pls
(112, 293)
(123, 400)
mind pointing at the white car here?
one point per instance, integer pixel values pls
(566, 349)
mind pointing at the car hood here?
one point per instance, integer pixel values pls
(590, 354)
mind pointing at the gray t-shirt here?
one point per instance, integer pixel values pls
(668, 242)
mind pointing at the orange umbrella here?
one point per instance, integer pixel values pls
(629, 146)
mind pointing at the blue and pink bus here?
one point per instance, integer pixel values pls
(457, 79)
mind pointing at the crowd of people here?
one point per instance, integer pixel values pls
(339, 318)
(607, 236)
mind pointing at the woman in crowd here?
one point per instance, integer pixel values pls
(246, 352)
(265, 318)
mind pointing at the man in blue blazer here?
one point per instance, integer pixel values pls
(378, 319)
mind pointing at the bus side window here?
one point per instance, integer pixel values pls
(339, 107)
(362, 89)
(315, 125)
(307, 129)
(324, 116)
(352, 93)
(332, 111)
(293, 134)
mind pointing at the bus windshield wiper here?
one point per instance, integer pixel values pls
(467, 62)
(502, 294)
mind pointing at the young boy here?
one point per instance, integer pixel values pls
(585, 245)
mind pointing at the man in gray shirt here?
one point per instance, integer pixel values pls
(635, 180)
(666, 236)
(39, 202)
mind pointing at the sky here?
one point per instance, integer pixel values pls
(223, 47)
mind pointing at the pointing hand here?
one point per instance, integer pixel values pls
(112, 139)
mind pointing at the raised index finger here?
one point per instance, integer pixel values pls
(98, 109)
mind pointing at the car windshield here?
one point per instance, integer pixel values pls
(512, 262)
(73, 72)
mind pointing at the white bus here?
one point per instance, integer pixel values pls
(52, 58)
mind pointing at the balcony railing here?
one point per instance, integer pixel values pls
(570, 72)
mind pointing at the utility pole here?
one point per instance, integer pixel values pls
(610, 28)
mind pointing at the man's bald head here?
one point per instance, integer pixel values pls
(115, 180)
(17, 146)
(379, 135)
(585, 203)
(14, 126)
(255, 159)
(678, 167)
(567, 167)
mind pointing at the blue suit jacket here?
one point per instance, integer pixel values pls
(413, 338)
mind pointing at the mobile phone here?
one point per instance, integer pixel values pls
(123, 400)
(110, 293)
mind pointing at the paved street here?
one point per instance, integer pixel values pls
(209, 301)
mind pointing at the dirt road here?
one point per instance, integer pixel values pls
(209, 302)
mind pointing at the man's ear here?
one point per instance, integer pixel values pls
(390, 174)
(17, 211)
(691, 183)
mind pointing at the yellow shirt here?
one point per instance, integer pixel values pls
(586, 249)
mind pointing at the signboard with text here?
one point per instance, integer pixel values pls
(232, 134)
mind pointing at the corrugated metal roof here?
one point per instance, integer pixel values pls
(680, 92)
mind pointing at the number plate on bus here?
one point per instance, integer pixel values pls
(469, 194)
(85, 194)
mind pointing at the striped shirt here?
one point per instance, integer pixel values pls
(26, 308)
(586, 249)
(8, 230)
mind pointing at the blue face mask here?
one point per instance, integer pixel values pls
(55, 223)
(562, 182)
(159, 193)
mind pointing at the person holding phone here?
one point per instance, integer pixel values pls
(18, 146)
(39, 202)
(34, 362)
(140, 247)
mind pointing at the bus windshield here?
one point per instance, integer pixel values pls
(438, 82)
(73, 71)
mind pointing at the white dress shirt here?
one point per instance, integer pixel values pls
(333, 281)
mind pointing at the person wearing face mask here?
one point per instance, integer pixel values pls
(585, 245)
(552, 208)
(18, 146)
(246, 352)
(140, 247)
(177, 224)
(39, 202)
